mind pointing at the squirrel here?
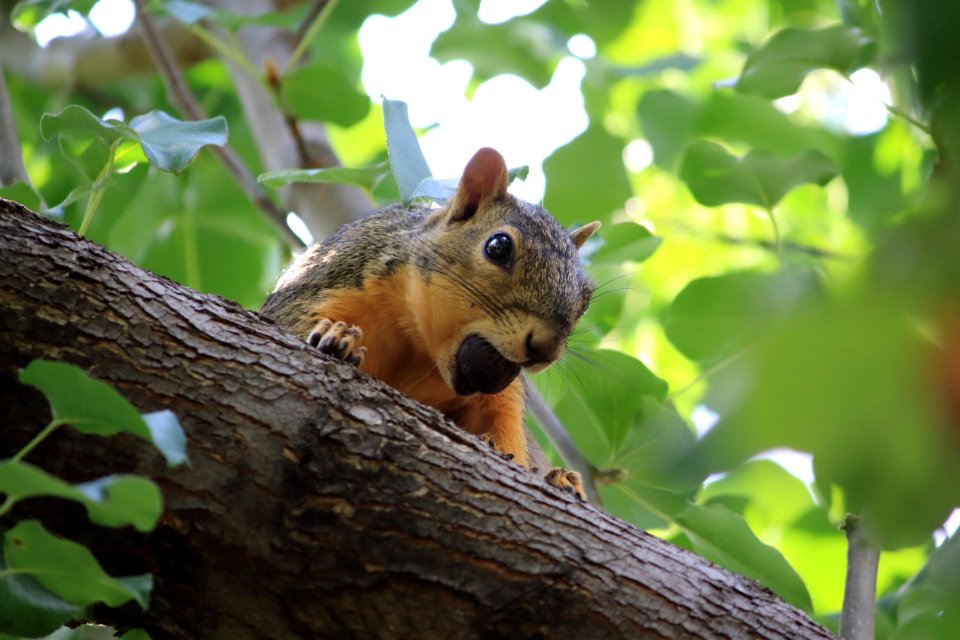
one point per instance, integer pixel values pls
(447, 304)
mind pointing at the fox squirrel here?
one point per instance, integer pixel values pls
(447, 304)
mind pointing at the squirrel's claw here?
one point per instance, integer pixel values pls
(567, 480)
(338, 340)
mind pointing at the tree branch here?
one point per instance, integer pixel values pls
(11, 158)
(860, 590)
(319, 502)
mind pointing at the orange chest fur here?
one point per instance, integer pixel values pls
(397, 355)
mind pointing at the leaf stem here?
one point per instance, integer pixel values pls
(777, 238)
(40, 437)
(321, 10)
(4, 508)
(96, 194)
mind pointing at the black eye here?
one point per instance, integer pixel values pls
(499, 248)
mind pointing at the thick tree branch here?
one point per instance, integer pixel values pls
(318, 502)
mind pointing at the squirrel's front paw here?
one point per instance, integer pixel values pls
(338, 340)
(567, 480)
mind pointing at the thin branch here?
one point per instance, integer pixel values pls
(860, 591)
(558, 437)
(317, 17)
(181, 97)
(12, 168)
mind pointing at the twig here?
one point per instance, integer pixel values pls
(318, 15)
(11, 158)
(181, 97)
(561, 441)
(860, 591)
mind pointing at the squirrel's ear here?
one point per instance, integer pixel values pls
(484, 178)
(579, 236)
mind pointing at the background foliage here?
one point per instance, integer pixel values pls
(774, 272)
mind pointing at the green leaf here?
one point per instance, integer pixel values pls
(714, 318)
(68, 569)
(317, 92)
(626, 242)
(578, 190)
(91, 406)
(171, 144)
(778, 67)
(406, 159)
(23, 193)
(716, 177)
(723, 537)
(29, 609)
(113, 501)
(75, 122)
(526, 50)
(364, 177)
(168, 143)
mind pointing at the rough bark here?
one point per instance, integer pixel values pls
(320, 503)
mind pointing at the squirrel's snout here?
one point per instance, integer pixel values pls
(542, 350)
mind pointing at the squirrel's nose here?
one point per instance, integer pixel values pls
(539, 350)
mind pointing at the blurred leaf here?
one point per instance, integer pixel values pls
(29, 609)
(316, 92)
(524, 48)
(723, 537)
(171, 144)
(91, 406)
(778, 67)
(68, 569)
(22, 193)
(716, 177)
(671, 120)
(841, 381)
(114, 501)
(626, 241)
(579, 191)
(777, 498)
(211, 239)
(713, 318)
(406, 159)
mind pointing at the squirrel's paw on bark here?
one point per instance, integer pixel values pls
(493, 445)
(338, 340)
(567, 480)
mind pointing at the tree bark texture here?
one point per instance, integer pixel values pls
(320, 503)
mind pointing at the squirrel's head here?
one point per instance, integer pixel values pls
(506, 286)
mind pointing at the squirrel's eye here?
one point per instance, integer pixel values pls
(499, 248)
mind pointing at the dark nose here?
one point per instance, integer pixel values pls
(539, 350)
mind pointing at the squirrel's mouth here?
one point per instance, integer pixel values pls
(478, 366)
